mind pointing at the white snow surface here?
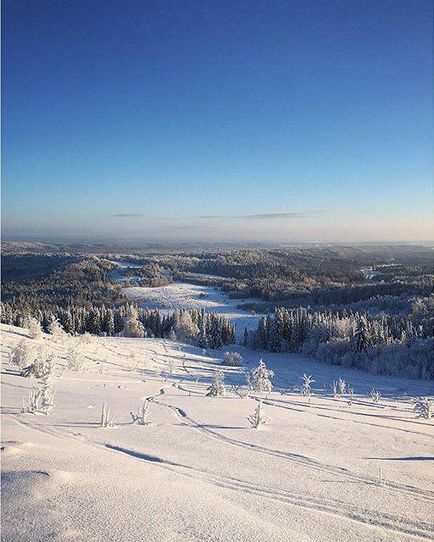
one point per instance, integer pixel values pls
(317, 471)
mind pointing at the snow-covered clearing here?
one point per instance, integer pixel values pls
(182, 295)
(319, 470)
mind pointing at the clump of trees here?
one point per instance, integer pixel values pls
(387, 344)
(206, 330)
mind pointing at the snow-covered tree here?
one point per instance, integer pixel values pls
(109, 323)
(338, 387)
(35, 330)
(305, 389)
(217, 388)
(185, 327)
(132, 327)
(56, 330)
(41, 399)
(246, 337)
(260, 378)
(22, 354)
(362, 339)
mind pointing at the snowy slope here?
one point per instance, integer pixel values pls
(182, 295)
(317, 471)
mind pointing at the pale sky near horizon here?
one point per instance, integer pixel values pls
(218, 121)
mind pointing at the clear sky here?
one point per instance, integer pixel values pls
(298, 120)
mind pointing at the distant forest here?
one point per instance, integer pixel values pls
(369, 307)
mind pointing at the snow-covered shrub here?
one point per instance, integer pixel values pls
(257, 419)
(42, 366)
(338, 387)
(306, 389)
(41, 399)
(57, 331)
(22, 354)
(133, 327)
(375, 395)
(107, 416)
(394, 359)
(239, 391)
(74, 359)
(232, 359)
(217, 388)
(86, 338)
(333, 351)
(142, 414)
(31, 403)
(35, 330)
(424, 407)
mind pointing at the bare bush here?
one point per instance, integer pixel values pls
(142, 414)
(257, 419)
(239, 391)
(107, 416)
(375, 395)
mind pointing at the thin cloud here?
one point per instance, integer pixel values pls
(267, 216)
(128, 215)
(260, 216)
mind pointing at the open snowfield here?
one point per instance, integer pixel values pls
(317, 471)
(182, 295)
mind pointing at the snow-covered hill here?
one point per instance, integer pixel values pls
(319, 470)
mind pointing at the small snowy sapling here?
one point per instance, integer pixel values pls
(217, 388)
(306, 389)
(259, 378)
(257, 419)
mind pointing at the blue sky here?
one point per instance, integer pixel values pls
(282, 120)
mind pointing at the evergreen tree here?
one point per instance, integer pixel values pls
(260, 378)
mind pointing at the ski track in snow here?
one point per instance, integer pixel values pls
(180, 395)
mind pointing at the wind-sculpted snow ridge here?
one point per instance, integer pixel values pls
(321, 469)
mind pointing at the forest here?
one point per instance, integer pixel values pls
(317, 300)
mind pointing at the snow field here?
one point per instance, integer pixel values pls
(317, 471)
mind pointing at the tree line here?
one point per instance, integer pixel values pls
(388, 344)
(207, 330)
